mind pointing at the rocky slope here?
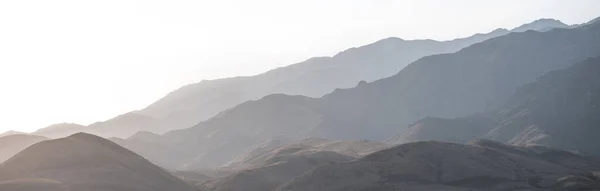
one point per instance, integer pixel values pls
(482, 165)
(281, 165)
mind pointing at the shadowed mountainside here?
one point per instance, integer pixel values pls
(560, 109)
(482, 165)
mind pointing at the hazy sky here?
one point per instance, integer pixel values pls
(83, 61)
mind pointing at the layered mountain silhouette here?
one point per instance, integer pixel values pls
(314, 77)
(560, 109)
(13, 144)
(84, 162)
(59, 130)
(11, 133)
(475, 79)
(481, 165)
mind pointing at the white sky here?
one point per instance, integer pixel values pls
(83, 61)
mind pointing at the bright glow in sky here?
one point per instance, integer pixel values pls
(83, 61)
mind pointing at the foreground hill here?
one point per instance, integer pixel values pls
(13, 144)
(475, 79)
(85, 162)
(560, 109)
(482, 165)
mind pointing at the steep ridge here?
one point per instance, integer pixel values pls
(13, 144)
(477, 78)
(482, 165)
(560, 109)
(87, 162)
(314, 77)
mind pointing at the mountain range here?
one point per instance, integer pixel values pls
(314, 77)
(475, 79)
(560, 109)
(507, 110)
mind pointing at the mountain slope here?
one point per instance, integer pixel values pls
(483, 165)
(13, 144)
(265, 169)
(282, 166)
(560, 109)
(87, 162)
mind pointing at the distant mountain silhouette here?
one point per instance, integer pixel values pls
(281, 166)
(482, 165)
(560, 109)
(85, 162)
(541, 25)
(59, 130)
(13, 144)
(121, 126)
(11, 133)
(314, 77)
(478, 78)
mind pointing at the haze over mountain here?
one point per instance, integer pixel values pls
(313, 78)
(478, 78)
(11, 133)
(513, 109)
(59, 130)
(85, 162)
(13, 144)
(481, 165)
(560, 109)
